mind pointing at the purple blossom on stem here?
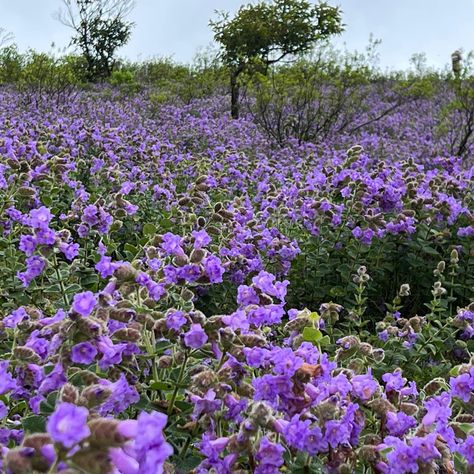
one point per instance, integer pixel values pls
(68, 424)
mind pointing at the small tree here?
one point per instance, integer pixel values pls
(265, 33)
(100, 28)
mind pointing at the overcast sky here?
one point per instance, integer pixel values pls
(179, 28)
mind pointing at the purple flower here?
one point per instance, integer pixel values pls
(212, 447)
(246, 295)
(364, 386)
(70, 251)
(171, 244)
(237, 321)
(206, 404)
(53, 381)
(269, 456)
(27, 244)
(337, 432)
(466, 449)
(40, 218)
(264, 282)
(399, 423)
(34, 267)
(3, 410)
(462, 386)
(15, 318)
(190, 272)
(175, 320)
(213, 268)
(112, 353)
(294, 431)
(7, 382)
(89, 215)
(394, 381)
(83, 353)
(285, 362)
(270, 387)
(151, 448)
(106, 267)
(195, 337)
(437, 409)
(201, 238)
(122, 396)
(425, 447)
(68, 424)
(45, 236)
(84, 303)
(402, 458)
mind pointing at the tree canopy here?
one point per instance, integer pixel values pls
(265, 33)
(100, 28)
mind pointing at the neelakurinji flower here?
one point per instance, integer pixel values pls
(195, 337)
(84, 303)
(83, 353)
(68, 424)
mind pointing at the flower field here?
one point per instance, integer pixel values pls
(180, 294)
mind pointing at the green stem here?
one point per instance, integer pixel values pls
(178, 384)
(60, 280)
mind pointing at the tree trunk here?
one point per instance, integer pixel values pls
(234, 92)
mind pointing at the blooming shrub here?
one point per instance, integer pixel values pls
(180, 296)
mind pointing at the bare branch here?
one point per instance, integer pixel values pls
(5, 37)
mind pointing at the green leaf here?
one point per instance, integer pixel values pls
(166, 223)
(312, 335)
(149, 230)
(465, 427)
(183, 406)
(130, 248)
(34, 424)
(187, 464)
(156, 385)
(325, 341)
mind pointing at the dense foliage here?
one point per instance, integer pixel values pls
(292, 291)
(100, 28)
(264, 33)
(182, 292)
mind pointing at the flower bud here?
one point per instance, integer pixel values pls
(25, 191)
(125, 273)
(203, 380)
(127, 334)
(88, 377)
(92, 460)
(26, 354)
(197, 317)
(378, 355)
(213, 230)
(18, 460)
(365, 349)
(381, 406)
(105, 433)
(187, 295)
(297, 324)
(409, 408)
(404, 290)
(197, 255)
(261, 415)
(252, 340)
(369, 454)
(95, 395)
(434, 386)
(69, 394)
(165, 362)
